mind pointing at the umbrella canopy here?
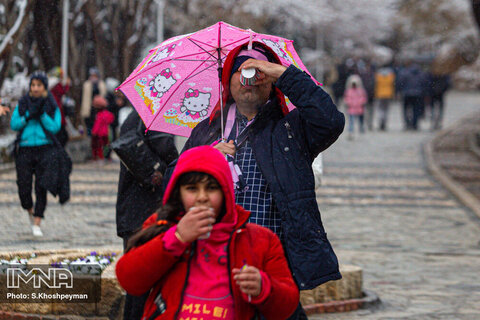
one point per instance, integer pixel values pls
(178, 84)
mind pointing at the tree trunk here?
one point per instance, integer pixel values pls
(476, 11)
(43, 13)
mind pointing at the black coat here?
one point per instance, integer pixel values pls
(134, 202)
(284, 148)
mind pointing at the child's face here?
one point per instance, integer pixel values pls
(37, 88)
(204, 193)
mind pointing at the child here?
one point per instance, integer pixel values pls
(355, 98)
(103, 119)
(198, 256)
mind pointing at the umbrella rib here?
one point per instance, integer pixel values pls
(213, 47)
(195, 60)
(202, 48)
(196, 74)
(171, 95)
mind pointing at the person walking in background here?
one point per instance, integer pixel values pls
(355, 98)
(58, 90)
(367, 74)
(338, 86)
(101, 126)
(439, 84)
(116, 101)
(198, 249)
(135, 201)
(384, 93)
(273, 150)
(92, 87)
(413, 84)
(36, 112)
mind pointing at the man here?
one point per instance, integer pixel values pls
(273, 150)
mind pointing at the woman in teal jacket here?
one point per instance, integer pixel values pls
(35, 113)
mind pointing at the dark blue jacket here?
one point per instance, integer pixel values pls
(284, 148)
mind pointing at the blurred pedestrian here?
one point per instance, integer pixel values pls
(59, 90)
(135, 201)
(92, 87)
(367, 74)
(355, 98)
(439, 85)
(101, 126)
(199, 250)
(384, 93)
(271, 151)
(36, 117)
(413, 86)
(116, 100)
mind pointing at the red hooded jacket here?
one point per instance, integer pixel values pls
(150, 266)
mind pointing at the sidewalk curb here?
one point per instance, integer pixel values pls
(462, 194)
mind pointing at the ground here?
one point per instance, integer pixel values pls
(419, 248)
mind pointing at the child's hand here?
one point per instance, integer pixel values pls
(196, 222)
(249, 279)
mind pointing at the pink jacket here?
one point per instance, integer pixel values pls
(102, 121)
(355, 99)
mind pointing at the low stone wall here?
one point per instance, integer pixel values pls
(349, 288)
(112, 295)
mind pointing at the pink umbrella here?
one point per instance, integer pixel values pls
(178, 84)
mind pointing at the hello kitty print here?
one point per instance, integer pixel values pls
(161, 83)
(278, 49)
(164, 53)
(195, 102)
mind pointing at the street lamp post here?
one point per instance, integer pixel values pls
(66, 9)
(160, 7)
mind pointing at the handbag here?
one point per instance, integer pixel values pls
(136, 155)
(61, 187)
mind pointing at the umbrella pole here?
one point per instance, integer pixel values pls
(220, 70)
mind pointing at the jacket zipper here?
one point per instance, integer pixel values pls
(192, 252)
(157, 312)
(292, 136)
(229, 263)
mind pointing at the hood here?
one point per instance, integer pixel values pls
(227, 69)
(208, 160)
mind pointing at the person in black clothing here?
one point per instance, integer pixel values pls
(116, 101)
(135, 203)
(271, 150)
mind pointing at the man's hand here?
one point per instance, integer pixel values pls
(196, 222)
(226, 148)
(249, 280)
(268, 71)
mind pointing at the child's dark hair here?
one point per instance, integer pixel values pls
(169, 214)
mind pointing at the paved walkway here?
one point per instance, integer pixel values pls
(87, 221)
(418, 246)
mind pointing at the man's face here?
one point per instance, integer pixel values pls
(252, 95)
